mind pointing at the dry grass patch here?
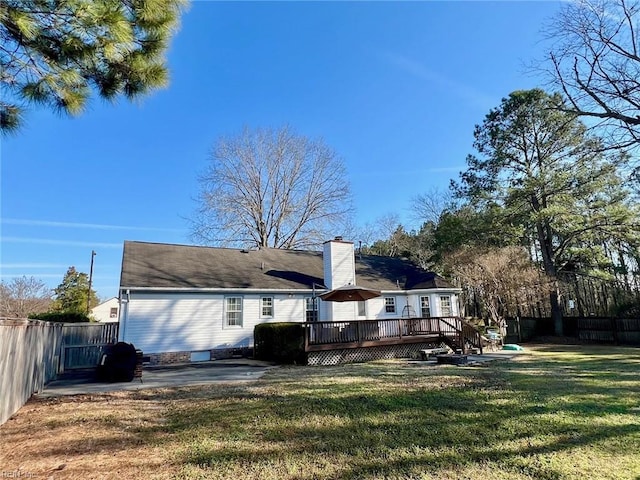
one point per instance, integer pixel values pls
(86, 436)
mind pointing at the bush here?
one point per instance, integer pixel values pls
(629, 309)
(280, 342)
(61, 317)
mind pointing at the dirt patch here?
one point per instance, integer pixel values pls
(87, 436)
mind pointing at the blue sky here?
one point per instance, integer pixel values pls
(394, 88)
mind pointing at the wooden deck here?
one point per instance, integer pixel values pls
(453, 331)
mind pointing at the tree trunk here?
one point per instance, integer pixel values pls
(556, 310)
(544, 239)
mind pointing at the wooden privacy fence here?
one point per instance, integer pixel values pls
(33, 352)
(84, 343)
(29, 358)
(625, 331)
(616, 330)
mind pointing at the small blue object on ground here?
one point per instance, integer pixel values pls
(512, 346)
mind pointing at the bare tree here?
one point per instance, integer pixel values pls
(24, 296)
(428, 206)
(595, 60)
(365, 235)
(272, 188)
(502, 280)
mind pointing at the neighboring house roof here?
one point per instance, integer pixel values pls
(102, 312)
(108, 301)
(158, 265)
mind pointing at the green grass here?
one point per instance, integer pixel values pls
(554, 413)
(569, 412)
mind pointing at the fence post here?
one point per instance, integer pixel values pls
(306, 336)
(61, 359)
(614, 329)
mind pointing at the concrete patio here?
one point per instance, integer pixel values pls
(218, 371)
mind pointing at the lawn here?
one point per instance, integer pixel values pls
(555, 412)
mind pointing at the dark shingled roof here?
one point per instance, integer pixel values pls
(181, 266)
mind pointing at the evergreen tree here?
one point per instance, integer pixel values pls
(71, 295)
(54, 52)
(468, 226)
(537, 162)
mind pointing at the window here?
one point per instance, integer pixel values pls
(311, 309)
(425, 311)
(267, 307)
(445, 306)
(113, 312)
(390, 304)
(362, 309)
(234, 311)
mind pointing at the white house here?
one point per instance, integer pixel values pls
(186, 303)
(107, 311)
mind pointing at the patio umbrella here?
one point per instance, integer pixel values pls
(350, 293)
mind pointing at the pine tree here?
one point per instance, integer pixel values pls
(54, 52)
(539, 164)
(71, 294)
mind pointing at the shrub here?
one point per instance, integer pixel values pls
(61, 317)
(280, 342)
(629, 309)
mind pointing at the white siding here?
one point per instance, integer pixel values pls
(341, 311)
(339, 270)
(177, 322)
(102, 312)
(289, 309)
(376, 306)
(165, 322)
(405, 305)
(339, 264)
(453, 304)
(434, 303)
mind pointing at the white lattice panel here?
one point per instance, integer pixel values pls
(368, 354)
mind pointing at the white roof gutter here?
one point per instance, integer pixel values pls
(276, 290)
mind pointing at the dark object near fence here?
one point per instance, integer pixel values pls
(120, 363)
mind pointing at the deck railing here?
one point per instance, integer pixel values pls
(454, 331)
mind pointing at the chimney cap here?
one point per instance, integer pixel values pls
(338, 239)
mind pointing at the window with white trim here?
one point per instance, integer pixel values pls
(362, 309)
(113, 312)
(233, 311)
(266, 307)
(425, 309)
(390, 304)
(445, 305)
(311, 309)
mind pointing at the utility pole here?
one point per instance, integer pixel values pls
(93, 254)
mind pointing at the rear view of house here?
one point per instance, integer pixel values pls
(186, 303)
